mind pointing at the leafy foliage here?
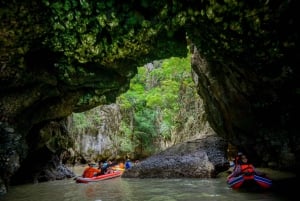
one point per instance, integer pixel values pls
(154, 99)
(89, 30)
(150, 108)
(86, 122)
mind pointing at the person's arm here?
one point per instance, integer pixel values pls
(96, 170)
(228, 177)
(257, 172)
(235, 172)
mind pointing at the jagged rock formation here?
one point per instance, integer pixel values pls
(201, 158)
(59, 57)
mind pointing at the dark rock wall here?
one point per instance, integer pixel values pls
(249, 112)
(249, 79)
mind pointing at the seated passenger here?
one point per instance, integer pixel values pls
(128, 164)
(121, 165)
(109, 170)
(90, 171)
(243, 167)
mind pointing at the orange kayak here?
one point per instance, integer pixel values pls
(99, 178)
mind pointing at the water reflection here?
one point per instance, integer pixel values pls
(125, 189)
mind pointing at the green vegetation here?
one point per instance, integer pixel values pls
(103, 31)
(86, 122)
(152, 104)
(82, 39)
(151, 109)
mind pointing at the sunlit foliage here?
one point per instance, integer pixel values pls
(151, 106)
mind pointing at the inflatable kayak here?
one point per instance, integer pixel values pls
(246, 182)
(99, 178)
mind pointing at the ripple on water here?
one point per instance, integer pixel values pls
(126, 189)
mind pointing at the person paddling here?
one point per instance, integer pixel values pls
(243, 167)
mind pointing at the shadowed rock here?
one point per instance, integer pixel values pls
(201, 158)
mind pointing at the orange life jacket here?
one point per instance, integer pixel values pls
(89, 172)
(248, 171)
(121, 165)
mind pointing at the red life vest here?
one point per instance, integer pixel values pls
(248, 171)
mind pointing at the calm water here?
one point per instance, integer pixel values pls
(127, 189)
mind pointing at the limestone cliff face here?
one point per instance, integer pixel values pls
(59, 57)
(254, 111)
(103, 141)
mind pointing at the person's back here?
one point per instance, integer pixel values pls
(100, 167)
(104, 167)
(127, 164)
(90, 171)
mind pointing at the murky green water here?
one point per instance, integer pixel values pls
(126, 189)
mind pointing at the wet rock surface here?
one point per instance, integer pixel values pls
(201, 158)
